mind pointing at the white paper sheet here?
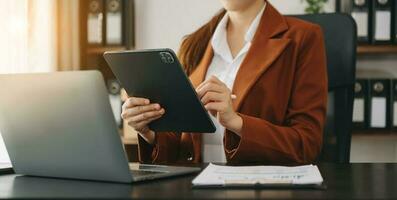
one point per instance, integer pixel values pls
(361, 19)
(383, 25)
(378, 112)
(215, 175)
(358, 110)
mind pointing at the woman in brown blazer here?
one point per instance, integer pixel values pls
(263, 76)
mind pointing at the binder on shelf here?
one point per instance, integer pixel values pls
(379, 107)
(361, 12)
(114, 22)
(360, 105)
(394, 104)
(382, 21)
(95, 22)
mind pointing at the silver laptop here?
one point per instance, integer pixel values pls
(61, 125)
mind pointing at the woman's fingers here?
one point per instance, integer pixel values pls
(210, 87)
(213, 80)
(216, 80)
(216, 106)
(146, 116)
(129, 112)
(212, 96)
(138, 112)
(135, 101)
(213, 84)
(141, 126)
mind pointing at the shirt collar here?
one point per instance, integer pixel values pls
(219, 39)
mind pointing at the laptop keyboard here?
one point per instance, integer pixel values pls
(145, 172)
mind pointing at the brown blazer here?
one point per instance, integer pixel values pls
(281, 90)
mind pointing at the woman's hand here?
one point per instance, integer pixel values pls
(138, 113)
(217, 98)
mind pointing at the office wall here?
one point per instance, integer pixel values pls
(298, 6)
(163, 24)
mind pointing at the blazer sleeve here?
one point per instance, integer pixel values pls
(164, 150)
(299, 139)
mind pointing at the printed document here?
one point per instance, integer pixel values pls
(216, 175)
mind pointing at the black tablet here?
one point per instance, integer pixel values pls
(157, 75)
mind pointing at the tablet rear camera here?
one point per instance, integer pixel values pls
(166, 57)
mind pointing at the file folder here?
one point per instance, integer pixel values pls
(361, 12)
(95, 22)
(382, 21)
(394, 104)
(379, 104)
(360, 105)
(114, 22)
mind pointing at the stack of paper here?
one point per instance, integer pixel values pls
(215, 175)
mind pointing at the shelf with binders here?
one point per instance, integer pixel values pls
(375, 106)
(376, 24)
(105, 25)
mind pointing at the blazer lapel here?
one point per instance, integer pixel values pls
(265, 49)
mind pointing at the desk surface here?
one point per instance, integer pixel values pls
(350, 181)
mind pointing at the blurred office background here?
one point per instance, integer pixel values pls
(58, 35)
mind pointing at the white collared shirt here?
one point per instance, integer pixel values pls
(225, 67)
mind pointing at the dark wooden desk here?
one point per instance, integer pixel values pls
(354, 181)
